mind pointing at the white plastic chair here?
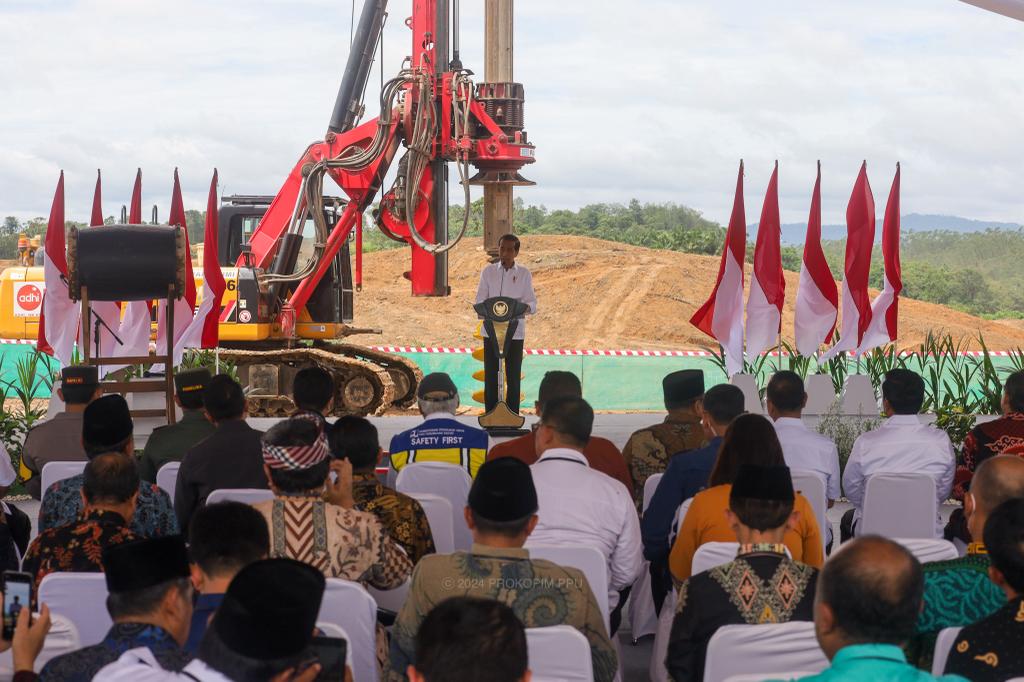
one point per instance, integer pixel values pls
(446, 480)
(752, 649)
(752, 396)
(821, 393)
(167, 478)
(650, 485)
(350, 607)
(82, 599)
(929, 549)
(440, 517)
(812, 486)
(899, 505)
(559, 653)
(643, 618)
(332, 630)
(943, 645)
(658, 671)
(761, 677)
(712, 554)
(589, 560)
(58, 471)
(390, 600)
(858, 397)
(61, 639)
(243, 495)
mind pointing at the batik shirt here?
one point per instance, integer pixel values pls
(401, 515)
(82, 665)
(342, 543)
(539, 592)
(990, 650)
(957, 592)
(648, 450)
(154, 514)
(984, 441)
(76, 547)
(762, 585)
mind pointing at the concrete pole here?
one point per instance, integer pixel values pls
(498, 39)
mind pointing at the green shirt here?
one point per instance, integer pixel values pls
(170, 443)
(876, 662)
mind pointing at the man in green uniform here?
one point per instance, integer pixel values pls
(60, 439)
(170, 443)
(502, 512)
(648, 450)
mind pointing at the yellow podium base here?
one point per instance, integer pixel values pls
(502, 419)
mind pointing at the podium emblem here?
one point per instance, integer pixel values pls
(499, 309)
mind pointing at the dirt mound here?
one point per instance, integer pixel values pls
(598, 294)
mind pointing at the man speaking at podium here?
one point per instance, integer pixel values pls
(505, 278)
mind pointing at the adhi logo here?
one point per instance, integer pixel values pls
(28, 299)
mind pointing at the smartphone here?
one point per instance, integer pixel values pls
(17, 596)
(331, 653)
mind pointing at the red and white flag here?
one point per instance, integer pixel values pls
(106, 315)
(136, 324)
(885, 309)
(817, 298)
(184, 307)
(58, 320)
(203, 332)
(860, 238)
(768, 285)
(721, 317)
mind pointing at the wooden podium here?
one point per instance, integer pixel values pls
(500, 315)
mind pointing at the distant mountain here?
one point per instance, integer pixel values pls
(793, 233)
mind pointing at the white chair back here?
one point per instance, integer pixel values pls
(658, 671)
(650, 485)
(559, 653)
(167, 478)
(761, 677)
(390, 600)
(899, 505)
(350, 607)
(589, 560)
(858, 396)
(82, 599)
(749, 649)
(440, 517)
(243, 495)
(332, 630)
(58, 471)
(449, 481)
(943, 645)
(712, 554)
(752, 396)
(61, 639)
(929, 549)
(821, 393)
(643, 617)
(812, 486)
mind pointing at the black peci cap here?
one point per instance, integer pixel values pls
(503, 490)
(107, 421)
(191, 381)
(681, 387)
(144, 563)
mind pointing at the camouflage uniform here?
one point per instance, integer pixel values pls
(541, 593)
(648, 450)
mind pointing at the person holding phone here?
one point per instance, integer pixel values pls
(25, 641)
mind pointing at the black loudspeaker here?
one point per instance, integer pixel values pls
(126, 262)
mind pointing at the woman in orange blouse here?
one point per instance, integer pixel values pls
(750, 439)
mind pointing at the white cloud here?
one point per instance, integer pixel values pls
(651, 99)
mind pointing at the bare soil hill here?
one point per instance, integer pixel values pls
(599, 294)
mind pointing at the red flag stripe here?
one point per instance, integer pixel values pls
(135, 208)
(768, 249)
(860, 222)
(97, 204)
(891, 253)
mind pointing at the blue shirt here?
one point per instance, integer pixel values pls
(82, 665)
(440, 438)
(205, 605)
(687, 475)
(876, 662)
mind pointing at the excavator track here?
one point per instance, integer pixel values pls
(362, 387)
(405, 374)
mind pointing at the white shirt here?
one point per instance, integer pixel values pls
(581, 506)
(805, 450)
(516, 282)
(139, 665)
(902, 444)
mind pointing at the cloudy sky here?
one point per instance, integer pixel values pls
(653, 99)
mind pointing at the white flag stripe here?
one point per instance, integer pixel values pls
(727, 321)
(877, 333)
(814, 315)
(763, 321)
(848, 333)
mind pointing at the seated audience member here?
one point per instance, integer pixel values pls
(998, 436)
(685, 477)
(27, 642)
(990, 650)
(902, 444)
(601, 453)
(223, 539)
(170, 443)
(441, 437)
(110, 491)
(804, 449)
(959, 592)
(60, 439)
(750, 439)
(868, 598)
(649, 450)
(501, 513)
(262, 631)
(107, 427)
(762, 585)
(313, 392)
(150, 602)
(465, 639)
(229, 458)
(580, 506)
(355, 439)
(334, 537)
